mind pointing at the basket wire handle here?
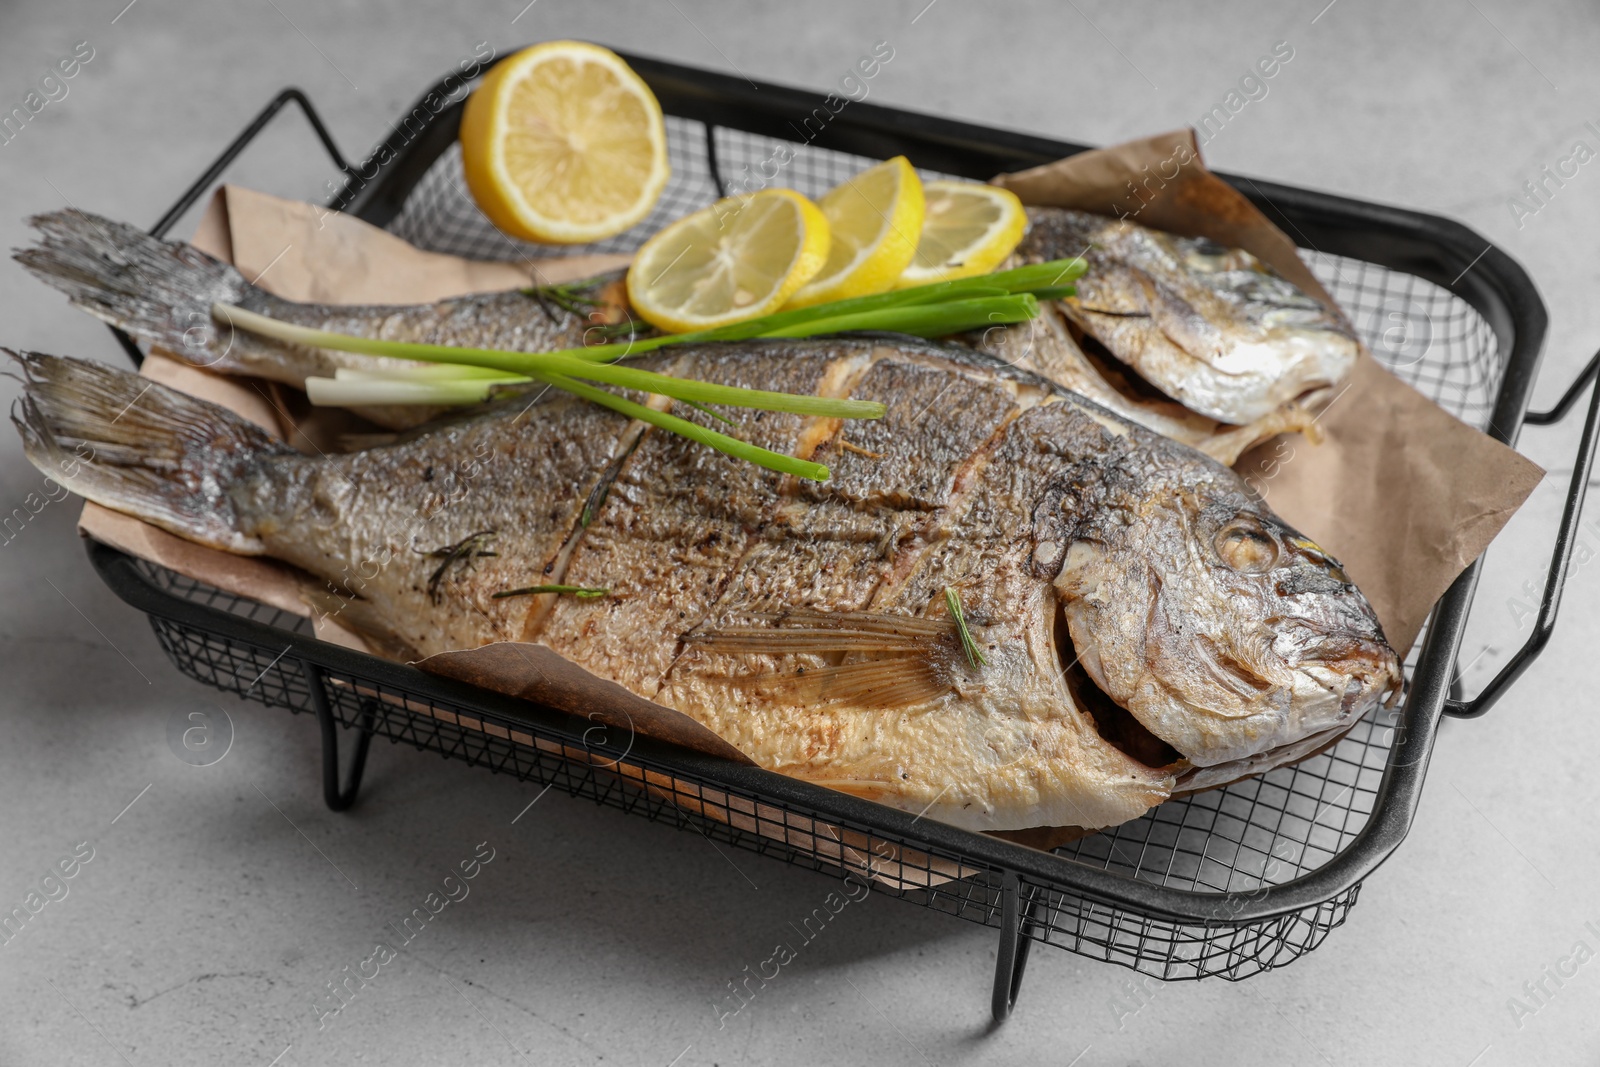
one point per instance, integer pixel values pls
(1011, 958)
(203, 184)
(1565, 536)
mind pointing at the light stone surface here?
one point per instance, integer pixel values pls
(219, 904)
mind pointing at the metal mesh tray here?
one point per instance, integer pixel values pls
(1226, 883)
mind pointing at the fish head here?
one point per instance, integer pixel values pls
(1223, 631)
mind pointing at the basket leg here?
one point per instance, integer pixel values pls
(1012, 958)
(337, 798)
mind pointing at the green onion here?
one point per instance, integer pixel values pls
(927, 320)
(539, 364)
(375, 392)
(428, 372)
(1050, 275)
(702, 409)
(763, 457)
(1037, 275)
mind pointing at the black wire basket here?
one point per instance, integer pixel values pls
(1226, 883)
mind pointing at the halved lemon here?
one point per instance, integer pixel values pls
(875, 218)
(563, 143)
(739, 258)
(967, 229)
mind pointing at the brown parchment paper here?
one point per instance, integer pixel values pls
(1401, 491)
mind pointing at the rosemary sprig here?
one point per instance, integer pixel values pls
(579, 591)
(968, 645)
(463, 552)
(702, 409)
(571, 297)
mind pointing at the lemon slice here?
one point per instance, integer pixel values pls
(739, 258)
(967, 229)
(563, 143)
(875, 218)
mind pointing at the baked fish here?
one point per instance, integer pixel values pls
(1007, 607)
(1209, 326)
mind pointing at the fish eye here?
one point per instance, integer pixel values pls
(1247, 548)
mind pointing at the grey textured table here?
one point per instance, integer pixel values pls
(220, 901)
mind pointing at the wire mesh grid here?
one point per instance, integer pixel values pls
(1230, 842)
(1429, 337)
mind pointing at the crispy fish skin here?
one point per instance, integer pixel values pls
(1211, 327)
(162, 292)
(807, 624)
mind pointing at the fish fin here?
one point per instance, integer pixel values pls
(159, 291)
(897, 682)
(799, 630)
(139, 447)
(1227, 445)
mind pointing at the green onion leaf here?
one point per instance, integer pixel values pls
(539, 364)
(930, 320)
(711, 414)
(373, 392)
(732, 446)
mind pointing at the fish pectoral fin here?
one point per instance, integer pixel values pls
(901, 669)
(789, 632)
(895, 682)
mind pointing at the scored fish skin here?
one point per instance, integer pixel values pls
(162, 292)
(808, 624)
(1212, 327)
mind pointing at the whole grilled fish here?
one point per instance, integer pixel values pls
(1211, 327)
(1133, 620)
(163, 292)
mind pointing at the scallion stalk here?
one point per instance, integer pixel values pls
(732, 446)
(427, 372)
(540, 364)
(376, 392)
(927, 320)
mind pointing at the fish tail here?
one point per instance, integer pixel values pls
(157, 291)
(139, 447)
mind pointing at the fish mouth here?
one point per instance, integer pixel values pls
(1370, 669)
(1115, 724)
